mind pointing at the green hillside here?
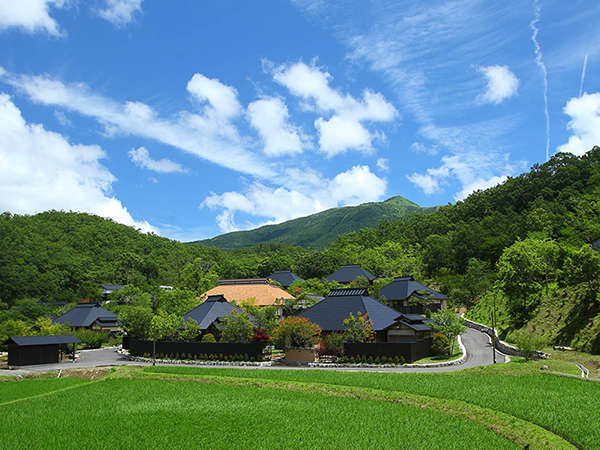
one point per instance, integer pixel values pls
(321, 229)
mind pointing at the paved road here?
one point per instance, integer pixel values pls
(477, 344)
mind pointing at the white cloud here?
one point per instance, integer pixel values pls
(344, 129)
(120, 12)
(501, 84)
(270, 117)
(480, 184)
(419, 147)
(221, 98)
(30, 15)
(41, 170)
(62, 118)
(277, 204)
(208, 135)
(584, 112)
(141, 158)
(383, 164)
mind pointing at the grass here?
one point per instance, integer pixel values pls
(152, 413)
(457, 353)
(591, 362)
(566, 406)
(15, 389)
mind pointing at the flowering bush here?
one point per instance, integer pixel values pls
(260, 335)
(296, 332)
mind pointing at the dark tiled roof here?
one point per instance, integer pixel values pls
(349, 273)
(416, 326)
(344, 292)
(330, 313)
(112, 287)
(243, 281)
(23, 341)
(596, 245)
(85, 314)
(213, 309)
(413, 317)
(284, 277)
(402, 288)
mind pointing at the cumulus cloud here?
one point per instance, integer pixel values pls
(30, 15)
(120, 12)
(208, 135)
(222, 99)
(277, 204)
(502, 84)
(41, 170)
(270, 117)
(584, 112)
(343, 128)
(141, 158)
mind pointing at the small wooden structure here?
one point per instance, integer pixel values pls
(32, 350)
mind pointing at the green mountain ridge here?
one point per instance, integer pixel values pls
(318, 230)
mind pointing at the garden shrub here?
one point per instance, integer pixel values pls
(332, 344)
(440, 345)
(358, 328)
(208, 338)
(91, 338)
(237, 328)
(296, 332)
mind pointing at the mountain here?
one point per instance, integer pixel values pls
(321, 229)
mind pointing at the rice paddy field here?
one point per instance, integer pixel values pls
(508, 406)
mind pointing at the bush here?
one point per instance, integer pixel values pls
(208, 338)
(332, 344)
(440, 345)
(260, 335)
(296, 332)
(527, 342)
(91, 338)
(237, 328)
(358, 328)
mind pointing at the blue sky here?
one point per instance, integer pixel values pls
(191, 118)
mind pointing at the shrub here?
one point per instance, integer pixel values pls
(332, 344)
(91, 338)
(237, 328)
(527, 342)
(358, 328)
(190, 331)
(440, 345)
(296, 332)
(208, 338)
(260, 335)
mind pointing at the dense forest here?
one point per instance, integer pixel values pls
(525, 244)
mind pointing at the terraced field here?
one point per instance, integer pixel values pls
(154, 407)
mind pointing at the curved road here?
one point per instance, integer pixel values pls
(477, 344)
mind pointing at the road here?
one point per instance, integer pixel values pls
(477, 344)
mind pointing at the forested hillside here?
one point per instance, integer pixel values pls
(525, 243)
(321, 229)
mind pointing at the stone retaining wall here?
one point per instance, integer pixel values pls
(501, 346)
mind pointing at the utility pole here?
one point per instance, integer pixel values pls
(494, 327)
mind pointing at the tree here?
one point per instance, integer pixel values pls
(448, 323)
(528, 343)
(162, 326)
(296, 332)
(236, 328)
(358, 328)
(190, 331)
(136, 321)
(581, 266)
(175, 301)
(524, 269)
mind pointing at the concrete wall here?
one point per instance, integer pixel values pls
(501, 346)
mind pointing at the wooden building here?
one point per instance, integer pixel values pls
(32, 350)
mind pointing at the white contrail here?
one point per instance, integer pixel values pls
(583, 75)
(540, 62)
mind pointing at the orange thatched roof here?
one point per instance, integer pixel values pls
(256, 288)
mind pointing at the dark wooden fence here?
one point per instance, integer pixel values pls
(410, 351)
(196, 350)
